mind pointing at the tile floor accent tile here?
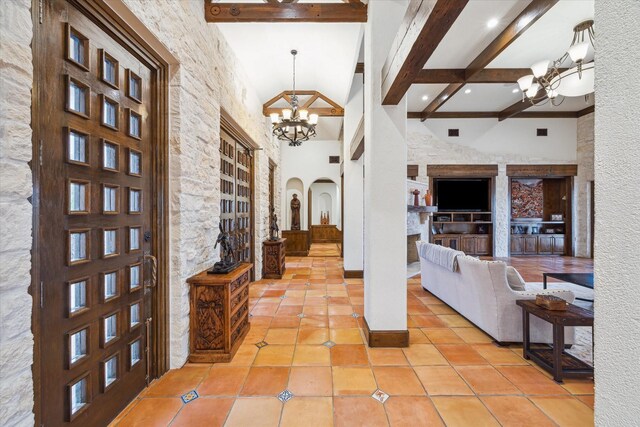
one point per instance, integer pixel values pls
(285, 396)
(313, 348)
(380, 396)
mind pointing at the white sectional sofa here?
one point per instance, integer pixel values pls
(479, 291)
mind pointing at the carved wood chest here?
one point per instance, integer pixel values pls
(219, 314)
(273, 265)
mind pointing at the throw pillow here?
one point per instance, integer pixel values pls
(514, 279)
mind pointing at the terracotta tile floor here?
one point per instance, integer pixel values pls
(451, 374)
(324, 249)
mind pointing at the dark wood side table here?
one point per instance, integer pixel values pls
(219, 315)
(273, 258)
(554, 359)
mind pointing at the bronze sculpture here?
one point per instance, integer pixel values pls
(228, 260)
(273, 226)
(295, 213)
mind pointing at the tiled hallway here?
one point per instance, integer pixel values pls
(304, 363)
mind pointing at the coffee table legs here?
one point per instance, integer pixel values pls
(558, 349)
(525, 334)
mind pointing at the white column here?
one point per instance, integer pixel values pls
(385, 170)
(502, 211)
(353, 227)
(617, 218)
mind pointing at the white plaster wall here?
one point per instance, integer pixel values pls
(353, 230)
(16, 339)
(385, 160)
(617, 227)
(487, 141)
(318, 189)
(308, 162)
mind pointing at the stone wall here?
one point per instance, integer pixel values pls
(424, 147)
(16, 339)
(582, 186)
(209, 78)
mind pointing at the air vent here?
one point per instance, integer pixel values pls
(454, 132)
(334, 159)
(542, 132)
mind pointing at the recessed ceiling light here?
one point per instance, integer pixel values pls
(425, 97)
(491, 23)
(467, 91)
(516, 90)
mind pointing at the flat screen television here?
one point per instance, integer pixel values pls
(456, 195)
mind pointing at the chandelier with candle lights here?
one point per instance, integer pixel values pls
(294, 125)
(548, 80)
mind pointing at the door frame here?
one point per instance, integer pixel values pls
(119, 22)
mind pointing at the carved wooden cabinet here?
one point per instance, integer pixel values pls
(219, 316)
(543, 244)
(273, 263)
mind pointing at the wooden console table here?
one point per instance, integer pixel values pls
(273, 262)
(219, 316)
(555, 360)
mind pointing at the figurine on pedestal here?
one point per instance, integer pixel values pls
(274, 230)
(228, 261)
(295, 213)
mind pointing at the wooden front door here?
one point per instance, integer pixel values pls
(236, 195)
(96, 208)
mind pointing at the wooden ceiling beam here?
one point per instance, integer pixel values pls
(458, 75)
(534, 11)
(522, 105)
(322, 112)
(285, 12)
(496, 114)
(359, 68)
(424, 25)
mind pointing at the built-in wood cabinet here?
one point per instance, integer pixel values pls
(547, 244)
(470, 244)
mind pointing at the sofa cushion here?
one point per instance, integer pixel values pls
(515, 280)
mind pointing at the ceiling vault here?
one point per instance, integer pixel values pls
(423, 28)
(534, 11)
(335, 110)
(285, 11)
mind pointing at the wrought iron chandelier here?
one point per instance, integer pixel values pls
(577, 80)
(295, 126)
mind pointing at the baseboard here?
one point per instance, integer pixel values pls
(353, 274)
(386, 338)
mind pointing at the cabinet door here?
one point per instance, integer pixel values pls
(454, 243)
(558, 245)
(483, 245)
(530, 245)
(439, 241)
(468, 244)
(516, 245)
(545, 245)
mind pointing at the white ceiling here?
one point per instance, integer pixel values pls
(548, 38)
(469, 34)
(327, 55)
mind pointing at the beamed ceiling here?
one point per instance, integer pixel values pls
(445, 52)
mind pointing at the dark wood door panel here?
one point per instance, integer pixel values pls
(95, 208)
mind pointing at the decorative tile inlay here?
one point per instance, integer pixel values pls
(250, 314)
(326, 296)
(285, 396)
(355, 315)
(190, 396)
(380, 396)
(307, 284)
(283, 297)
(262, 344)
(301, 315)
(328, 344)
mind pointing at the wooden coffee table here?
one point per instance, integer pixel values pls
(553, 358)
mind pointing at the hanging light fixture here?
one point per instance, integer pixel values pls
(295, 126)
(547, 81)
